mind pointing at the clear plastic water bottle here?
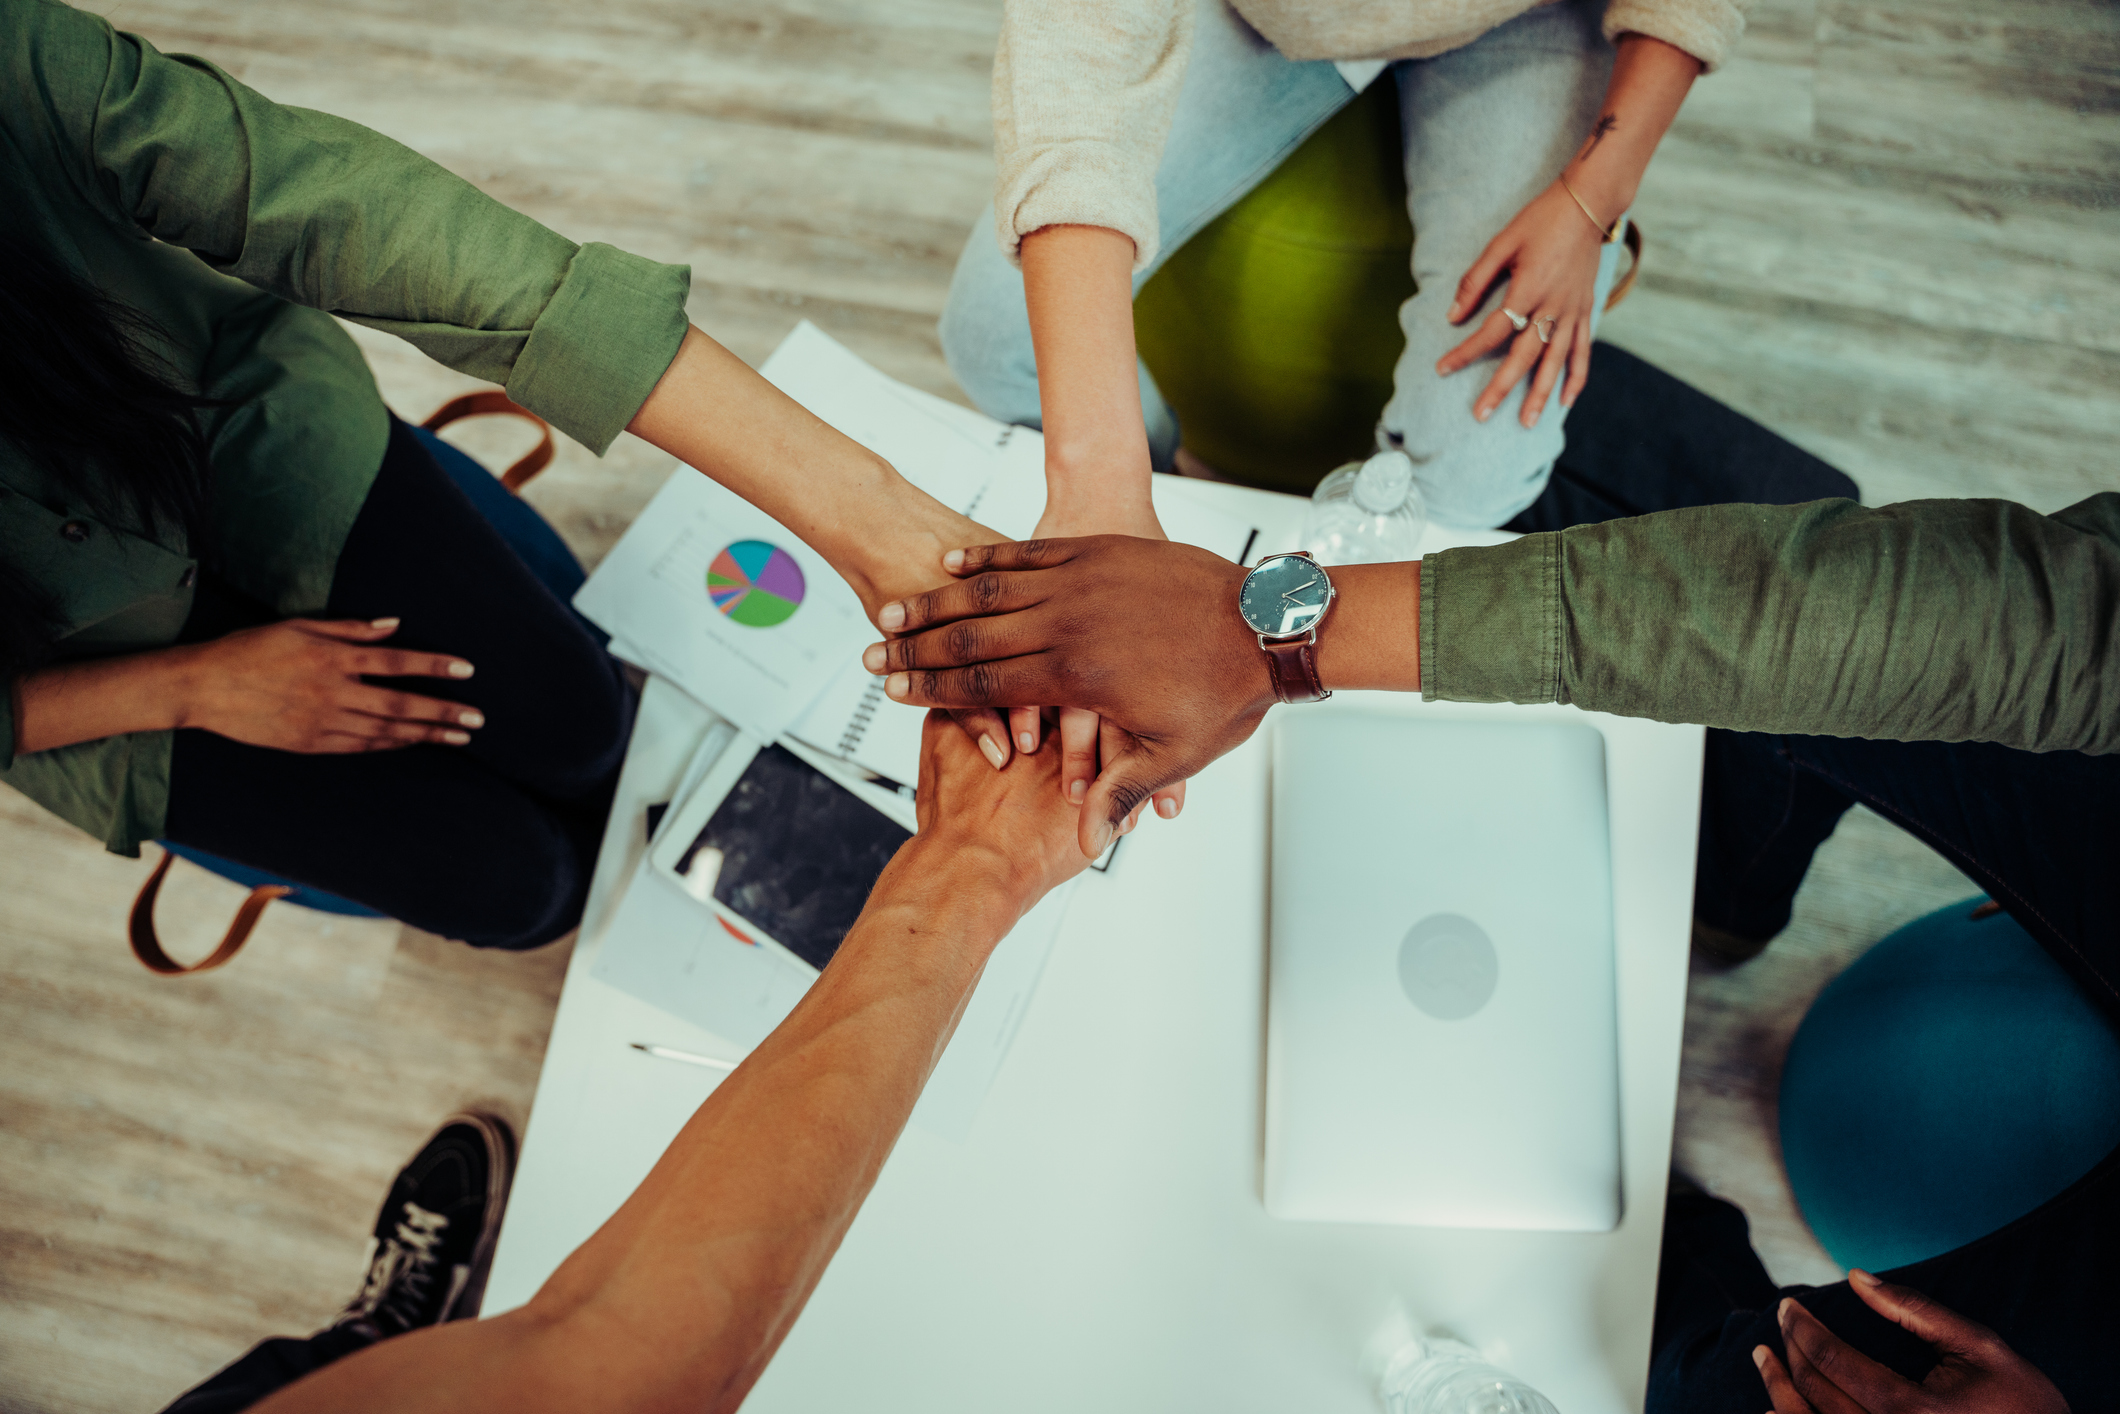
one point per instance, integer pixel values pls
(1436, 1375)
(1366, 513)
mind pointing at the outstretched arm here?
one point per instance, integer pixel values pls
(679, 1301)
(1924, 621)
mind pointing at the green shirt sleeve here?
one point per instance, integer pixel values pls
(1923, 621)
(326, 213)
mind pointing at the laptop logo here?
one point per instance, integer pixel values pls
(1447, 966)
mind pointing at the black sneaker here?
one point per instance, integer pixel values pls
(434, 1238)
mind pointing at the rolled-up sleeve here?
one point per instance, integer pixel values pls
(1706, 29)
(1084, 91)
(329, 214)
(1923, 621)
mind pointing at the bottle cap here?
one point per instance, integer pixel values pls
(1383, 483)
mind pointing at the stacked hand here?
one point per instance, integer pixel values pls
(1014, 823)
(1975, 1372)
(1141, 632)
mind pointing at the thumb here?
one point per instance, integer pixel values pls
(1907, 1308)
(1120, 790)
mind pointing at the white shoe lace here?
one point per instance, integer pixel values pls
(400, 1274)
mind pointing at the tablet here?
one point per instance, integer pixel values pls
(784, 845)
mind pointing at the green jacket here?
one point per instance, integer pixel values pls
(1924, 621)
(240, 226)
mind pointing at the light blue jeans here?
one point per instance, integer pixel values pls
(1486, 128)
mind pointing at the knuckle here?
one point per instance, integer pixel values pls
(987, 591)
(981, 683)
(960, 643)
(921, 609)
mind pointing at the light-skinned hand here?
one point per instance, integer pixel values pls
(1015, 819)
(1550, 254)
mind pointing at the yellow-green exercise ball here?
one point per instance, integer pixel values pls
(1273, 332)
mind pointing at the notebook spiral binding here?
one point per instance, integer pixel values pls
(858, 723)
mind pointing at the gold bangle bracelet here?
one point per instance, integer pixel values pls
(1609, 236)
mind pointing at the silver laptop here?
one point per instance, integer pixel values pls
(1441, 1036)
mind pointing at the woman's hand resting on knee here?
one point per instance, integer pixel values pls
(298, 685)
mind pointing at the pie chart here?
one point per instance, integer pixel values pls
(755, 583)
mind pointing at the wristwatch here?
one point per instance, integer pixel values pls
(1284, 601)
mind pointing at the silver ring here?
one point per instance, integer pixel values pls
(1514, 318)
(1545, 328)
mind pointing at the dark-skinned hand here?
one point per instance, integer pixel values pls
(1142, 632)
(1976, 1373)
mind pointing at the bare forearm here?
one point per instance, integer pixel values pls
(1078, 283)
(715, 413)
(679, 1301)
(1372, 636)
(86, 701)
(1650, 80)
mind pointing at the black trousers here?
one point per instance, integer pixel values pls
(492, 843)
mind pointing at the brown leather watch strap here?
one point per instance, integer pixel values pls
(1294, 669)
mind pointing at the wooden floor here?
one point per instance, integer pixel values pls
(1891, 231)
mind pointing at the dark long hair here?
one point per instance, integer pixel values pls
(85, 397)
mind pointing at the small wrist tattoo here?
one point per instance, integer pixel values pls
(1606, 124)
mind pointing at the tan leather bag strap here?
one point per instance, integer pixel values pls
(1633, 241)
(481, 404)
(148, 948)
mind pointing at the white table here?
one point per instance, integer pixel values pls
(1098, 1241)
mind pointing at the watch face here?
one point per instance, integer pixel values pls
(1285, 595)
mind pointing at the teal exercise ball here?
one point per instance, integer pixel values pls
(1949, 1082)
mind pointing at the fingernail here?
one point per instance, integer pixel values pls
(1781, 1312)
(1027, 742)
(898, 686)
(872, 657)
(993, 751)
(1480, 414)
(1452, 316)
(382, 623)
(1126, 826)
(1103, 839)
(472, 718)
(1759, 1356)
(953, 559)
(1076, 790)
(1168, 809)
(891, 617)
(460, 669)
(1863, 1278)
(456, 738)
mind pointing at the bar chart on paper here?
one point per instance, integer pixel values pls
(755, 583)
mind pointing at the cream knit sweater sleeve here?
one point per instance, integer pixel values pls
(1706, 29)
(1084, 89)
(1083, 95)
